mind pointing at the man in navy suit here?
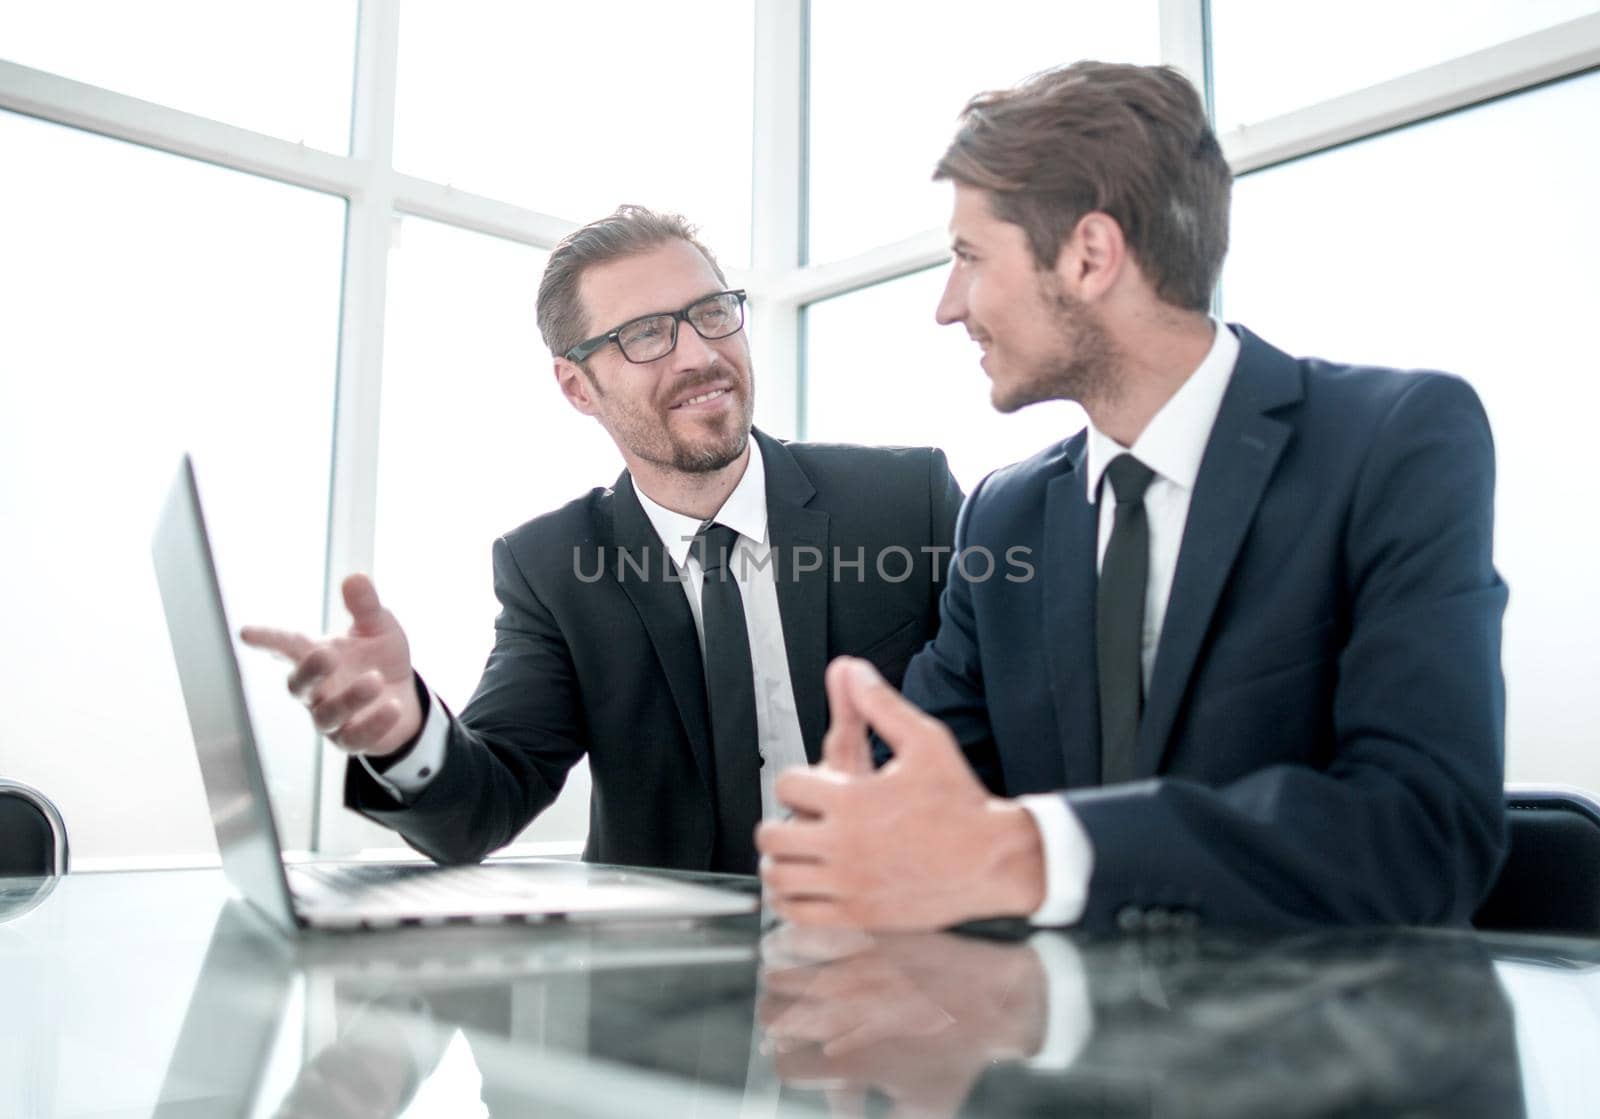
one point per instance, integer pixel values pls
(1255, 677)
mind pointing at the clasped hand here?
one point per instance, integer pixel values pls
(917, 845)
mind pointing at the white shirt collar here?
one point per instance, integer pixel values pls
(745, 511)
(1174, 441)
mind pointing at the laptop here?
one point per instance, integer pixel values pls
(363, 895)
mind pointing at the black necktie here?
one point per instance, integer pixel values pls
(731, 693)
(1119, 619)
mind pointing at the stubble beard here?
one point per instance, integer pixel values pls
(1082, 368)
(723, 449)
(659, 445)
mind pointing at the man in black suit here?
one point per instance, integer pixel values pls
(1257, 678)
(673, 627)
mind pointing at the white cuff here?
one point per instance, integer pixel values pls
(1068, 859)
(1069, 1016)
(409, 776)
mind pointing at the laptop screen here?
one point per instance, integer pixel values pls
(213, 692)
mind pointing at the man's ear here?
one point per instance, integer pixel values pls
(1093, 257)
(576, 386)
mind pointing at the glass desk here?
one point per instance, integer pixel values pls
(152, 994)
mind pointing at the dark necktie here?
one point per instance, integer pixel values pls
(731, 694)
(1119, 619)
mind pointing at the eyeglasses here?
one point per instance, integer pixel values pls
(649, 337)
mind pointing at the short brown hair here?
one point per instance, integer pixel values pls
(628, 230)
(1129, 141)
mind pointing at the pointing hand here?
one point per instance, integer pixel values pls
(359, 686)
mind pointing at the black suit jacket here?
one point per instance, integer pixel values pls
(599, 659)
(1322, 739)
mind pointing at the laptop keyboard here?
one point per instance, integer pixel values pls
(422, 885)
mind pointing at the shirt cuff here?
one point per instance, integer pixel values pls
(1068, 859)
(1069, 1016)
(413, 773)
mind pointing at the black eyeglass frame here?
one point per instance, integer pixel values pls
(590, 345)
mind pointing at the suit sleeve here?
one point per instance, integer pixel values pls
(1405, 824)
(509, 752)
(944, 510)
(944, 499)
(946, 678)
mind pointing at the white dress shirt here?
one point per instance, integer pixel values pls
(777, 719)
(1172, 445)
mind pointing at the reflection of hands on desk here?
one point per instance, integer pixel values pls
(374, 1066)
(848, 1002)
(916, 1016)
(792, 946)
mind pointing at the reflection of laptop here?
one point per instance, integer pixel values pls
(365, 895)
(298, 1011)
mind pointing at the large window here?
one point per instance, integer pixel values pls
(573, 108)
(1466, 244)
(476, 439)
(153, 305)
(335, 310)
(880, 370)
(282, 68)
(886, 84)
(1270, 57)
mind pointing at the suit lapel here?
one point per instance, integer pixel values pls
(794, 531)
(664, 610)
(1070, 526)
(1240, 457)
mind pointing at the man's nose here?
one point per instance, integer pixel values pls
(692, 351)
(952, 306)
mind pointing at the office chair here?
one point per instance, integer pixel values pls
(1551, 878)
(33, 837)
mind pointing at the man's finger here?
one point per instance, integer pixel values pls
(846, 1085)
(813, 1020)
(802, 911)
(772, 1006)
(868, 1034)
(787, 948)
(317, 663)
(790, 878)
(809, 791)
(847, 1099)
(789, 839)
(366, 730)
(289, 645)
(844, 747)
(361, 599)
(333, 712)
(792, 984)
(898, 721)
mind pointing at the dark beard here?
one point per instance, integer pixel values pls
(1086, 367)
(707, 459)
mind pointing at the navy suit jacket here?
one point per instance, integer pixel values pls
(1322, 741)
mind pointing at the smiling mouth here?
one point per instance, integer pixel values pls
(702, 398)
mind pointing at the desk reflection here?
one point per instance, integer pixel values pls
(939, 1025)
(547, 1020)
(691, 1020)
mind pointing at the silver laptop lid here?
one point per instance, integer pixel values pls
(213, 692)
